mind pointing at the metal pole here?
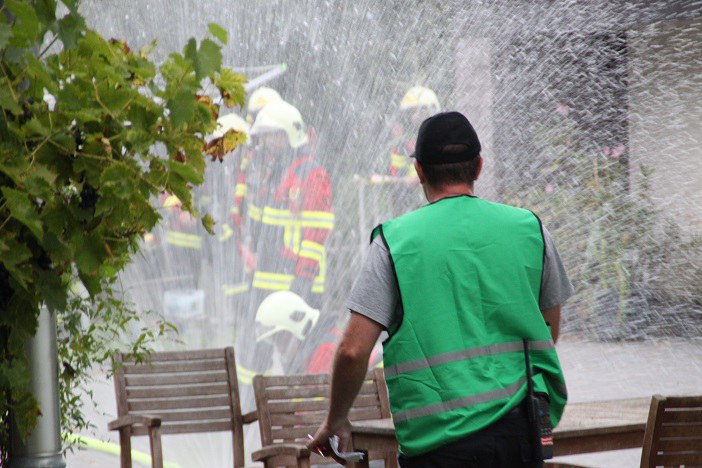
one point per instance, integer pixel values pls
(42, 449)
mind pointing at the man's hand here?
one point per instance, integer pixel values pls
(320, 441)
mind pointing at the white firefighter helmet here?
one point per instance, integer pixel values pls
(230, 122)
(281, 116)
(262, 96)
(285, 311)
(420, 96)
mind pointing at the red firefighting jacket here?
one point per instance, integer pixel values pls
(301, 206)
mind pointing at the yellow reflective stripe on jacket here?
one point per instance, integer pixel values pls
(240, 190)
(181, 239)
(277, 217)
(317, 219)
(292, 236)
(272, 281)
(254, 212)
(313, 250)
(233, 289)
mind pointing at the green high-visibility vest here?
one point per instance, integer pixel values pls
(469, 275)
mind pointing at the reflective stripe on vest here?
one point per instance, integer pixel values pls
(469, 276)
(470, 353)
(457, 403)
(181, 239)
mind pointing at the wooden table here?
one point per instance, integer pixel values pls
(585, 427)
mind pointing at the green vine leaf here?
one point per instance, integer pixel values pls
(182, 108)
(52, 290)
(208, 223)
(219, 32)
(23, 211)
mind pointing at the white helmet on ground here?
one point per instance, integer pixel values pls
(281, 116)
(420, 96)
(262, 96)
(285, 311)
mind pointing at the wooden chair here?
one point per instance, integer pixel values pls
(291, 407)
(673, 434)
(177, 393)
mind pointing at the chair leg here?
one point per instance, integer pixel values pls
(391, 460)
(364, 463)
(125, 448)
(155, 445)
(303, 462)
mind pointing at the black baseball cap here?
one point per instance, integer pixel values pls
(446, 138)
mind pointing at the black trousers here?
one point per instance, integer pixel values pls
(504, 444)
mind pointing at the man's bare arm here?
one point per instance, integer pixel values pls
(350, 367)
(552, 316)
(351, 363)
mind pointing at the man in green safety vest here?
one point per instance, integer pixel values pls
(458, 285)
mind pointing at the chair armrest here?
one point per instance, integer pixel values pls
(132, 419)
(295, 450)
(250, 417)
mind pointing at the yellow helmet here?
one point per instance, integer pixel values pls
(262, 96)
(281, 116)
(420, 96)
(285, 311)
(230, 122)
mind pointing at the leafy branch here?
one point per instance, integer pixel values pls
(77, 183)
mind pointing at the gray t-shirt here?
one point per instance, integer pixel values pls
(375, 293)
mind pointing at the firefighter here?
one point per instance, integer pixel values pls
(284, 206)
(288, 206)
(285, 324)
(398, 179)
(417, 104)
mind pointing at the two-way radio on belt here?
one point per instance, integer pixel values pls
(539, 416)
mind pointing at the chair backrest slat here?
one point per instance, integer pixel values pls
(291, 407)
(220, 388)
(191, 391)
(673, 434)
(190, 428)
